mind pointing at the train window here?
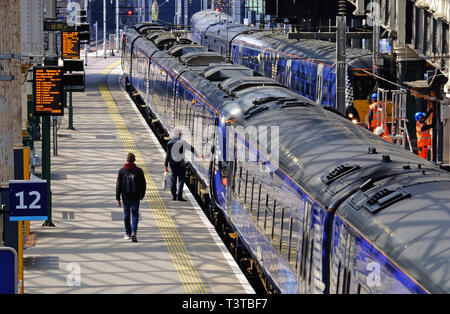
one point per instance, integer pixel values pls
(325, 92)
(311, 261)
(346, 280)
(237, 180)
(262, 207)
(302, 84)
(297, 81)
(251, 196)
(178, 111)
(305, 237)
(293, 243)
(268, 216)
(339, 279)
(257, 189)
(235, 167)
(276, 226)
(243, 190)
(313, 87)
(349, 279)
(362, 289)
(285, 233)
(307, 85)
(240, 181)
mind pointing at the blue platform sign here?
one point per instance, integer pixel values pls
(8, 271)
(28, 200)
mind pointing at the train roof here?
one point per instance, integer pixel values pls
(222, 71)
(182, 49)
(146, 27)
(215, 25)
(196, 58)
(204, 19)
(229, 31)
(307, 48)
(332, 160)
(413, 227)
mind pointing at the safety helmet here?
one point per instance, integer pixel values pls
(379, 131)
(420, 115)
(374, 95)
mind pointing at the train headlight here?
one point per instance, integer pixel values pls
(350, 115)
(354, 121)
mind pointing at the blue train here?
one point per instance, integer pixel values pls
(321, 205)
(305, 66)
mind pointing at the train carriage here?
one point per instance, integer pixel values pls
(271, 53)
(321, 205)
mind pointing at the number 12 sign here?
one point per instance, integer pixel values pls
(28, 200)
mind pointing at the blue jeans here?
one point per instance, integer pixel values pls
(130, 205)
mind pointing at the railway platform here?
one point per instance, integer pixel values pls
(178, 250)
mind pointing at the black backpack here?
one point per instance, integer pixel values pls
(129, 185)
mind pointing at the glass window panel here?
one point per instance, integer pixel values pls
(262, 207)
(248, 192)
(269, 216)
(243, 187)
(293, 243)
(285, 233)
(276, 227)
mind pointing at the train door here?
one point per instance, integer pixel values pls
(235, 53)
(304, 247)
(311, 278)
(178, 108)
(240, 61)
(319, 83)
(261, 62)
(275, 66)
(164, 96)
(267, 64)
(341, 263)
(148, 77)
(171, 102)
(288, 72)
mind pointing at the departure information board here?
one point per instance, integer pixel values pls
(70, 45)
(48, 91)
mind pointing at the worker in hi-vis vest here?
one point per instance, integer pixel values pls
(423, 131)
(375, 115)
(381, 133)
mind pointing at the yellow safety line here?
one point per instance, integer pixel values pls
(183, 263)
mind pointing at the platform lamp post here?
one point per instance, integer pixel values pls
(117, 26)
(104, 29)
(70, 127)
(51, 59)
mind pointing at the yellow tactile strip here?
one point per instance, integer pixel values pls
(189, 276)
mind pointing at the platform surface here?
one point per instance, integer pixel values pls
(178, 250)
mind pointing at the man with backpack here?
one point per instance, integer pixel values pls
(131, 185)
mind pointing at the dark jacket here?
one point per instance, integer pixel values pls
(140, 182)
(177, 161)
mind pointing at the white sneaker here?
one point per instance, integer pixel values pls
(126, 237)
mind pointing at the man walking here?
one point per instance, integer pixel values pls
(131, 185)
(175, 158)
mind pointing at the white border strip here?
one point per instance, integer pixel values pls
(226, 254)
